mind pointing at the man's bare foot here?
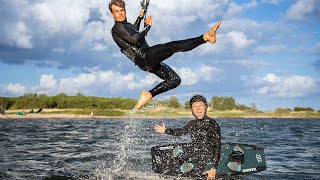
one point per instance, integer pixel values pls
(210, 36)
(145, 96)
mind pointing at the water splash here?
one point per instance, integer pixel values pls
(125, 149)
(126, 143)
(130, 137)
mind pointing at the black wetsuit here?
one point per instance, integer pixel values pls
(204, 131)
(134, 45)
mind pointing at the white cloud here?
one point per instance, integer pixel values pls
(305, 10)
(35, 22)
(208, 73)
(236, 9)
(110, 81)
(95, 35)
(242, 38)
(190, 77)
(238, 39)
(47, 82)
(179, 17)
(15, 89)
(206, 9)
(61, 15)
(289, 86)
(98, 47)
(20, 36)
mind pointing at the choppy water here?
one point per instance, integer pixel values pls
(120, 148)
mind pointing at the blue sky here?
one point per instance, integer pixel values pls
(267, 51)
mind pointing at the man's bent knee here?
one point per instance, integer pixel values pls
(175, 82)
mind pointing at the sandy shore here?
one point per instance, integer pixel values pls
(59, 114)
(73, 116)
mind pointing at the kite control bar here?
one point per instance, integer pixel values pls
(144, 5)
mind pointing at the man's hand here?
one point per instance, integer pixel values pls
(148, 21)
(211, 174)
(160, 129)
(141, 14)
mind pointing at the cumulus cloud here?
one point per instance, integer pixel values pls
(238, 39)
(190, 77)
(14, 89)
(289, 86)
(236, 9)
(61, 16)
(81, 29)
(47, 27)
(109, 81)
(307, 10)
(47, 81)
(20, 36)
(229, 44)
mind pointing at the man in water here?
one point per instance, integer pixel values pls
(203, 130)
(133, 44)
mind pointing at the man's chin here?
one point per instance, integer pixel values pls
(121, 20)
(199, 116)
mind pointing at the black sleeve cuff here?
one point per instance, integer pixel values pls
(147, 28)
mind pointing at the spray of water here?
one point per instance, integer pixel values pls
(120, 167)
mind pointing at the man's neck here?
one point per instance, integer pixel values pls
(121, 21)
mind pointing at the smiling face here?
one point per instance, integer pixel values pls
(118, 13)
(199, 109)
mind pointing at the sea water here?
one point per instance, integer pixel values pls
(120, 148)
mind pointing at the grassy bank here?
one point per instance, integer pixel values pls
(160, 112)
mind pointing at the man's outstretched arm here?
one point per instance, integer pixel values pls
(175, 132)
(138, 20)
(129, 33)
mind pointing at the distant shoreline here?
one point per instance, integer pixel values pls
(154, 113)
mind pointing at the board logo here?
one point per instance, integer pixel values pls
(249, 170)
(167, 147)
(259, 158)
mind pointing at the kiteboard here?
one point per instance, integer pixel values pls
(191, 160)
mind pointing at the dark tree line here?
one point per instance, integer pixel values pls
(80, 101)
(63, 101)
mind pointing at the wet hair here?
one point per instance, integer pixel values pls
(198, 98)
(119, 3)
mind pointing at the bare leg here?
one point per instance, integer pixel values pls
(210, 36)
(171, 81)
(145, 96)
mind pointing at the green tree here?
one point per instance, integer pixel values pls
(303, 109)
(223, 103)
(172, 102)
(283, 110)
(187, 104)
(6, 103)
